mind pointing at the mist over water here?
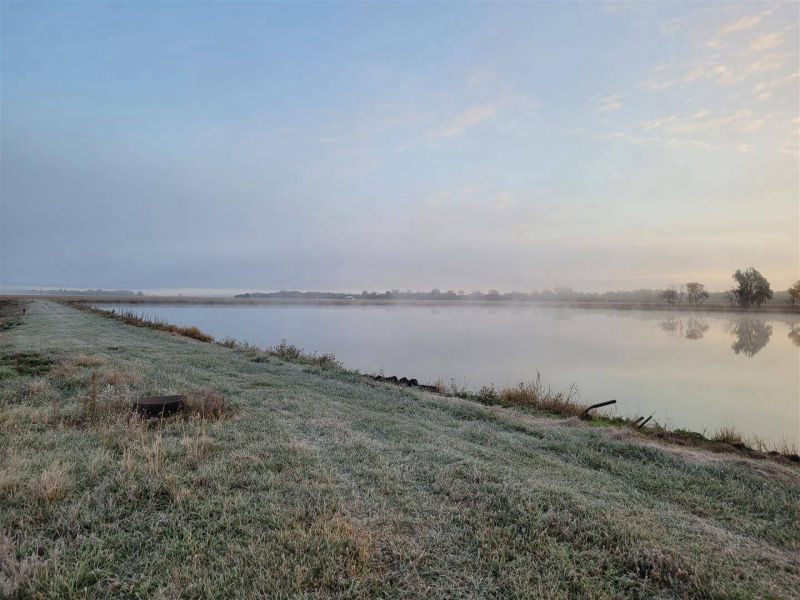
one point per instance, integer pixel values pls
(699, 371)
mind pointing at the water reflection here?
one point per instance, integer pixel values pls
(794, 334)
(692, 329)
(695, 329)
(751, 336)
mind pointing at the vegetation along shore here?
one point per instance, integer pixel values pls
(287, 475)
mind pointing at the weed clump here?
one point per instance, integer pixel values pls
(206, 403)
(727, 435)
(284, 351)
(52, 484)
(536, 395)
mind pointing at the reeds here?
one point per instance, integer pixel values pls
(131, 318)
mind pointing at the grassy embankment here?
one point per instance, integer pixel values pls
(317, 482)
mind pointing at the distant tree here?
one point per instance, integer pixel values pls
(696, 293)
(753, 288)
(794, 293)
(493, 295)
(672, 295)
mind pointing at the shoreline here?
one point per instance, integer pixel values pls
(556, 404)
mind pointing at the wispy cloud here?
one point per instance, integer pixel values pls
(740, 24)
(609, 103)
(465, 120)
(776, 83)
(511, 111)
(765, 41)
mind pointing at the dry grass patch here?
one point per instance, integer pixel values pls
(536, 395)
(196, 442)
(727, 435)
(206, 403)
(16, 572)
(119, 378)
(64, 370)
(333, 535)
(84, 360)
(37, 388)
(52, 484)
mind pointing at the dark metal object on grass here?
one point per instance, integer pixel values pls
(156, 406)
(585, 414)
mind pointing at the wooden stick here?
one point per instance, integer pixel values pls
(645, 421)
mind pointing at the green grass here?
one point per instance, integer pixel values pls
(316, 482)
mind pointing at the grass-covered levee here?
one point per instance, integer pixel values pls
(299, 479)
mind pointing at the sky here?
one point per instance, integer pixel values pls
(349, 146)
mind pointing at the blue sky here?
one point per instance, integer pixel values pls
(342, 146)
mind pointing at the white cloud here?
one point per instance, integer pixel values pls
(465, 120)
(775, 83)
(752, 126)
(740, 24)
(609, 103)
(765, 41)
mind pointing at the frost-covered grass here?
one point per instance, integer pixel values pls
(315, 482)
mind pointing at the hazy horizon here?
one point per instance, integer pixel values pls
(340, 147)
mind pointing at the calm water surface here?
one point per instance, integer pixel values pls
(700, 371)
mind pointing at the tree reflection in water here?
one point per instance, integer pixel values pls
(692, 329)
(794, 334)
(672, 325)
(751, 336)
(695, 329)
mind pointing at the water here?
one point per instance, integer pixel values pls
(698, 371)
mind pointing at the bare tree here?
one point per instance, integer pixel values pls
(794, 293)
(673, 295)
(696, 293)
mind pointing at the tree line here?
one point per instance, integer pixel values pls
(752, 290)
